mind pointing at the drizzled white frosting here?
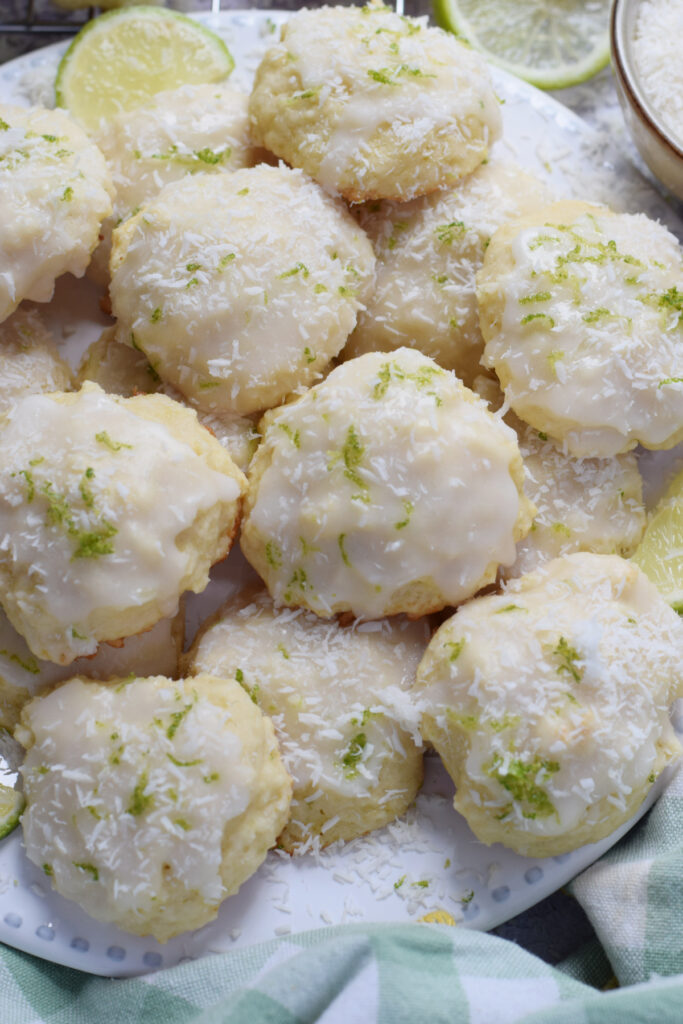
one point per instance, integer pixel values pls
(89, 468)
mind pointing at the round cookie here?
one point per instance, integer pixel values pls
(549, 704)
(150, 801)
(581, 315)
(110, 508)
(374, 105)
(240, 287)
(387, 488)
(29, 359)
(428, 253)
(191, 130)
(56, 191)
(581, 504)
(336, 696)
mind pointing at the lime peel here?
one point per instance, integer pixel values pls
(12, 804)
(660, 552)
(550, 45)
(121, 59)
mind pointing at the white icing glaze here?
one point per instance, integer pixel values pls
(61, 485)
(573, 670)
(55, 193)
(597, 364)
(129, 739)
(388, 474)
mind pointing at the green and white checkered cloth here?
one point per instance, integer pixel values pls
(412, 973)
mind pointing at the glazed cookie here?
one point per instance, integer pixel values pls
(23, 676)
(240, 287)
(29, 359)
(110, 509)
(581, 504)
(581, 314)
(150, 801)
(428, 253)
(196, 129)
(549, 704)
(56, 191)
(336, 696)
(387, 488)
(374, 105)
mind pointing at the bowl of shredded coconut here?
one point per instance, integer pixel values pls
(646, 38)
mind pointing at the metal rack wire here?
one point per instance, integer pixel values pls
(32, 22)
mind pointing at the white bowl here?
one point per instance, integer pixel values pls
(659, 150)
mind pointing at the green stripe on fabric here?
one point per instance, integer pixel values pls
(419, 962)
(663, 947)
(252, 1007)
(588, 964)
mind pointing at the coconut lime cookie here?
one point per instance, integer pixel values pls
(191, 130)
(23, 676)
(549, 704)
(581, 504)
(110, 509)
(56, 191)
(121, 370)
(374, 105)
(29, 359)
(428, 253)
(387, 488)
(581, 313)
(336, 696)
(240, 287)
(150, 801)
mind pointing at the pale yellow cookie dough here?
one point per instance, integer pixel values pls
(581, 314)
(110, 508)
(374, 105)
(549, 704)
(337, 696)
(428, 253)
(387, 488)
(196, 129)
(29, 359)
(56, 191)
(150, 801)
(240, 287)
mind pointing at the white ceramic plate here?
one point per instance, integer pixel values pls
(430, 860)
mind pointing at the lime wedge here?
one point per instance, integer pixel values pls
(11, 806)
(125, 56)
(550, 43)
(660, 552)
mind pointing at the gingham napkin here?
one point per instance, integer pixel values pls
(410, 974)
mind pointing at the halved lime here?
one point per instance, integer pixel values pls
(11, 806)
(660, 552)
(125, 56)
(550, 43)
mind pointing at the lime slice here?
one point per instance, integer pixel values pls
(125, 56)
(11, 805)
(660, 552)
(550, 43)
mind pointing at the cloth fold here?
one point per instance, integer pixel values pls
(403, 974)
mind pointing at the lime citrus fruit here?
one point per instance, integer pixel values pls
(550, 43)
(660, 552)
(11, 805)
(117, 61)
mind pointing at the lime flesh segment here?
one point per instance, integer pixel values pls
(11, 805)
(121, 59)
(550, 43)
(660, 553)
